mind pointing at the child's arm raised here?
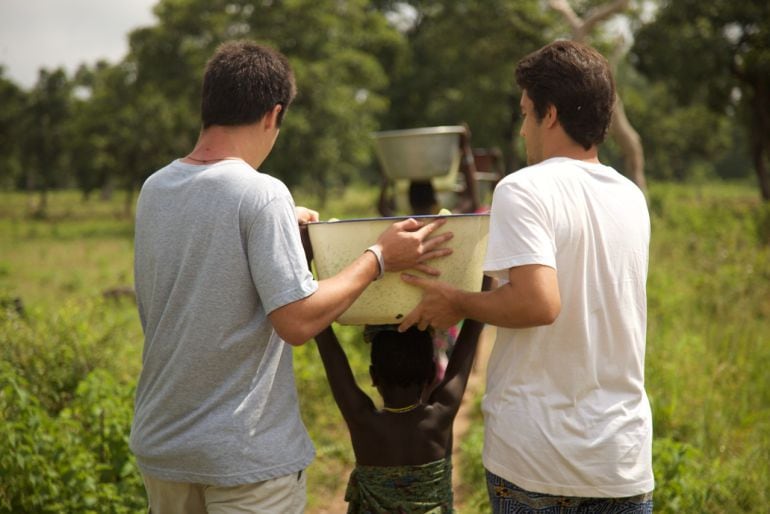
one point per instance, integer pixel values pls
(350, 399)
(449, 392)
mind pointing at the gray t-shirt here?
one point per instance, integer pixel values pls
(217, 249)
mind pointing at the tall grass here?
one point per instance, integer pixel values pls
(709, 346)
(71, 356)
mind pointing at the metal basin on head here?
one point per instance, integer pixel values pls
(337, 243)
(419, 153)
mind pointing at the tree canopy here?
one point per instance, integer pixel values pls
(363, 66)
(715, 56)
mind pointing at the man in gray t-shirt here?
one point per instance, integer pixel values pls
(222, 285)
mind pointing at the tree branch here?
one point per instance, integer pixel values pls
(582, 27)
(601, 13)
(563, 7)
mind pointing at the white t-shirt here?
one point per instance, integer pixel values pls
(565, 408)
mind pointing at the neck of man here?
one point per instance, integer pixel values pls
(218, 142)
(561, 145)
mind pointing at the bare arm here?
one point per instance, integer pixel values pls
(449, 392)
(406, 244)
(299, 321)
(349, 397)
(531, 298)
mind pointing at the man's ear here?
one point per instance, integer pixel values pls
(271, 117)
(551, 117)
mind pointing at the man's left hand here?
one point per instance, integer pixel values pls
(305, 215)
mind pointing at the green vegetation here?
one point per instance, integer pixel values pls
(70, 341)
(367, 65)
(71, 356)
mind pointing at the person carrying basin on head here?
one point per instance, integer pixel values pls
(403, 450)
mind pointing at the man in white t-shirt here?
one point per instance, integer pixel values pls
(567, 419)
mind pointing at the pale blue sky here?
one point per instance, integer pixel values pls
(52, 33)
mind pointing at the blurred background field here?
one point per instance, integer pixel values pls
(70, 346)
(76, 146)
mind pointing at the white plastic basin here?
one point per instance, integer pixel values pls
(420, 153)
(337, 243)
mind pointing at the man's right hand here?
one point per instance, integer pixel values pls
(407, 245)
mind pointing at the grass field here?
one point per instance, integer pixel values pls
(71, 353)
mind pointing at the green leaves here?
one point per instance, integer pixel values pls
(715, 54)
(64, 418)
(51, 464)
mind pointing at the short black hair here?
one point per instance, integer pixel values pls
(422, 197)
(403, 358)
(244, 81)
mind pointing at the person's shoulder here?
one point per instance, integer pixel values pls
(254, 182)
(623, 179)
(526, 181)
(536, 172)
(621, 182)
(160, 174)
(273, 182)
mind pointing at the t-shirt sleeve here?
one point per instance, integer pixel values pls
(276, 258)
(520, 231)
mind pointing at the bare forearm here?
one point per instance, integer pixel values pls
(335, 360)
(299, 321)
(521, 303)
(465, 347)
(498, 307)
(337, 293)
(452, 388)
(348, 396)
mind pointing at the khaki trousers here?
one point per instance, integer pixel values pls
(284, 495)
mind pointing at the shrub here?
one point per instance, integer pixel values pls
(66, 414)
(48, 464)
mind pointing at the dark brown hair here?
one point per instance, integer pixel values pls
(576, 79)
(243, 81)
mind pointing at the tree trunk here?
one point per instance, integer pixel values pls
(759, 151)
(128, 205)
(760, 136)
(41, 210)
(630, 143)
(106, 191)
(512, 161)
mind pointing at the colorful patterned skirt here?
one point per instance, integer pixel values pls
(422, 489)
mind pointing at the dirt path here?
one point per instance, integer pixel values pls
(476, 384)
(336, 503)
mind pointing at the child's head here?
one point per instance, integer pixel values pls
(422, 197)
(402, 359)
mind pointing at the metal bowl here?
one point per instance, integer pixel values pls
(420, 153)
(337, 243)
